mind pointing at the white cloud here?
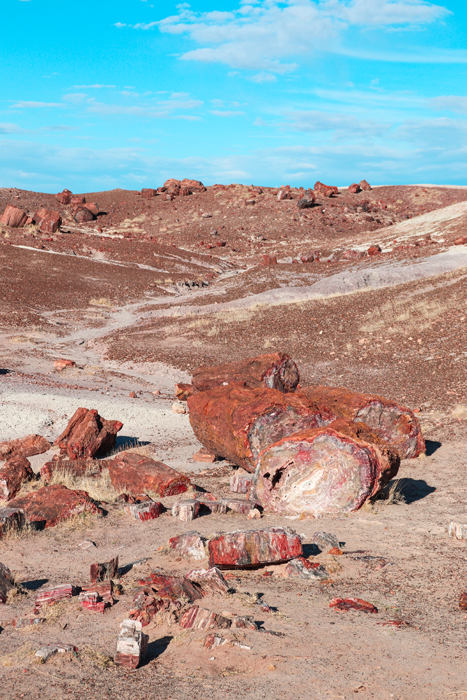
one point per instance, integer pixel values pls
(35, 105)
(11, 129)
(263, 77)
(225, 113)
(96, 86)
(452, 103)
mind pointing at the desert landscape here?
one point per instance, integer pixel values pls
(163, 351)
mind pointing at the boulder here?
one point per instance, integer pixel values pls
(82, 215)
(148, 193)
(104, 572)
(48, 220)
(134, 473)
(87, 434)
(304, 569)
(237, 423)
(13, 217)
(15, 471)
(78, 199)
(210, 581)
(275, 370)
(325, 190)
(190, 545)
(354, 188)
(48, 596)
(306, 200)
(64, 197)
(132, 644)
(247, 548)
(240, 483)
(62, 364)
(374, 250)
(51, 505)
(27, 446)
(186, 510)
(328, 470)
(364, 185)
(183, 391)
(193, 185)
(147, 510)
(394, 423)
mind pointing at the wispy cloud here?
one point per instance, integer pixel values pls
(36, 105)
(96, 86)
(225, 113)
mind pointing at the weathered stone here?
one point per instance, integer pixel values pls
(302, 568)
(374, 250)
(15, 471)
(306, 200)
(11, 519)
(103, 589)
(132, 644)
(93, 207)
(190, 545)
(64, 197)
(458, 531)
(183, 391)
(147, 510)
(49, 220)
(53, 504)
(87, 434)
(7, 582)
(91, 601)
(51, 649)
(49, 596)
(22, 622)
(193, 185)
(333, 469)
(274, 370)
(28, 446)
(237, 423)
(240, 483)
(82, 214)
(13, 217)
(364, 185)
(104, 572)
(62, 364)
(211, 641)
(178, 407)
(204, 455)
(246, 548)
(325, 190)
(254, 514)
(91, 468)
(239, 505)
(196, 618)
(346, 604)
(354, 188)
(394, 423)
(325, 540)
(209, 506)
(461, 241)
(133, 473)
(244, 622)
(78, 199)
(463, 601)
(269, 259)
(210, 581)
(283, 194)
(148, 193)
(186, 510)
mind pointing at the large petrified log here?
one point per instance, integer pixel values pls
(237, 423)
(247, 548)
(87, 434)
(396, 424)
(133, 473)
(132, 644)
(333, 469)
(27, 446)
(275, 370)
(53, 504)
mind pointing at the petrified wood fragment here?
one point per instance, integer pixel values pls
(134, 473)
(53, 504)
(186, 510)
(333, 469)
(87, 434)
(13, 217)
(147, 510)
(346, 604)
(28, 446)
(396, 424)
(196, 618)
(275, 370)
(132, 644)
(91, 468)
(14, 472)
(105, 571)
(11, 519)
(246, 548)
(210, 581)
(191, 545)
(7, 582)
(238, 423)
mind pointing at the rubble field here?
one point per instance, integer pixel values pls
(233, 426)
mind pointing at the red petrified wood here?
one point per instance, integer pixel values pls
(237, 423)
(87, 434)
(7, 582)
(53, 504)
(133, 473)
(104, 572)
(13, 217)
(196, 618)
(246, 548)
(346, 604)
(91, 468)
(27, 446)
(396, 424)
(132, 644)
(14, 472)
(275, 370)
(333, 469)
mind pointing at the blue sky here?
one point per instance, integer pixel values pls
(127, 93)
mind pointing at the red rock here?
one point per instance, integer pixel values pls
(364, 185)
(328, 470)
(104, 572)
(87, 434)
(64, 197)
(237, 423)
(81, 215)
(353, 255)
(461, 241)
(210, 581)
(325, 190)
(238, 505)
(13, 217)
(275, 370)
(394, 423)
(183, 391)
(306, 200)
(148, 510)
(186, 510)
(346, 604)
(134, 473)
(374, 250)
(91, 468)
(336, 552)
(48, 220)
(170, 183)
(53, 504)
(132, 644)
(204, 455)
(11, 519)
(148, 193)
(307, 258)
(28, 446)
(269, 260)
(91, 601)
(133, 395)
(247, 548)
(240, 483)
(103, 589)
(92, 207)
(284, 194)
(53, 595)
(463, 601)
(196, 618)
(193, 185)
(190, 545)
(243, 622)
(61, 364)
(304, 569)
(354, 188)
(7, 583)
(78, 199)
(15, 471)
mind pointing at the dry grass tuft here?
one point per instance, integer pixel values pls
(17, 656)
(459, 411)
(95, 658)
(392, 493)
(53, 612)
(99, 488)
(102, 301)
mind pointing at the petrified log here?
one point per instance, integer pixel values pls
(53, 504)
(186, 510)
(14, 472)
(28, 446)
(191, 545)
(240, 483)
(302, 568)
(238, 423)
(52, 595)
(91, 468)
(333, 469)
(147, 510)
(133, 473)
(346, 604)
(196, 618)
(13, 217)
(395, 424)
(11, 519)
(103, 572)
(210, 581)
(275, 370)
(87, 434)
(246, 548)
(132, 644)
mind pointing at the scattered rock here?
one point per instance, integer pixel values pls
(15, 471)
(204, 455)
(183, 391)
(133, 395)
(49, 596)
(104, 572)
(238, 505)
(134, 474)
(463, 601)
(458, 531)
(346, 604)
(148, 193)
(354, 188)
(7, 583)
(64, 197)
(178, 407)
(269, 260)
(186, 510)
(78, 199)
(306, 200)
(147, 510)
(210, 581)
(254, 514)
(87, 434)
(196, 618)
(374, 250)
(82, 215)
(132, 644)
(325, 540)
(48, 220)
(11, 519)
(91, 468)
(54, 504)
(190, 545)
(240, 482)
(459, 241)
(302, 568)
(364, 185)
(27, 446)
(13, 217)
(325, 190)
(51, 649)
(62, 364)
(246, 548)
